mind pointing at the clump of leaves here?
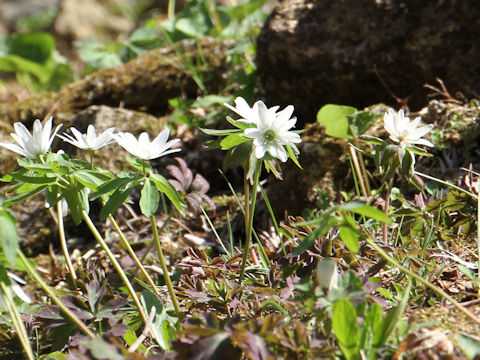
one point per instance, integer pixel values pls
(97, 305)
(194, 188)
(34, 60)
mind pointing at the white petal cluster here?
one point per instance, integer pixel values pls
(248, 114)
(406, 132)
(145, 149)
(89, 141)
(32, 145)
(272, 132)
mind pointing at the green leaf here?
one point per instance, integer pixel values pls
(344, 324)
(51, 195)
(239, 124)
(233, 140)
(115, 201)
(57, 355)
(361, 121)
(407, 163)
(372, 139)
(77, 200)
(220, 132)
(418, 151)
(162, 330)
(374, 323)
(469, 345)
(90, 179)
(387, 153)
(324, 225)
(8, 236)
(139, 164)
(112, 185)
(149, 198)
(101, 350)
(33, 164)
(15, 199)
(361, 208)
(349, 233)
(210, 100)
(392, 318)
(34, 179)
(36, 47)
(335, 118)
(237, 156)
(292, 155)
(166, 188)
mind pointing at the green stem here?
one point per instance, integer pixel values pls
(31, 271)
(358, 171)
(387, 208)
(274, 220)
(250, 213)
(163, 264)
(63, 242)
(447, 184)
(115, 263)
(212, 227)
(171, 9)
(417, 277)
(17, 321)
(152, 244)
(133, 255)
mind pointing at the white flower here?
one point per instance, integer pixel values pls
(272, 132)
(145, 149)
(90, 140)
(17, 289)
(406, 132)
(248, 114)
(327, 274)
(32, 145)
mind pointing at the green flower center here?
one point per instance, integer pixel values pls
(269, 136)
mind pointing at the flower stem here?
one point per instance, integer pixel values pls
(163, 264)
(115, 263)
(152, 244)
(17, 321)
(358, 171)
(63, 242)
(249, 212)
(387, 208)
(133, 255)
(417, 277)
(31, 271)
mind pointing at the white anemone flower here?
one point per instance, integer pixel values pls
(406, 132)
(32, 145)
(272, 132)
(248, 114)
(89, 141)
(145, 149)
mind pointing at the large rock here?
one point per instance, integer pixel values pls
(89, 19)
(313, 52)
(146, 83)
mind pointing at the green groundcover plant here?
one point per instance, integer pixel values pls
(338, 304)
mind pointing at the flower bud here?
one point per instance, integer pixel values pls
(327, 274)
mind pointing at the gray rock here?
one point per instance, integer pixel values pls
(310, 53)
